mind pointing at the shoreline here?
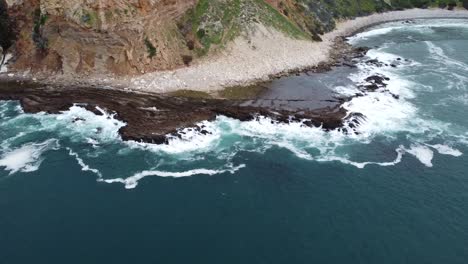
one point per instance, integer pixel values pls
(260, 56)
(253, 60)
(154, 118)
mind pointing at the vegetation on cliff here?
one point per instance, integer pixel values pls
(216, 22)
(6, 28)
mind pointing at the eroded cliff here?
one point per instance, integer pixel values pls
(104, 36)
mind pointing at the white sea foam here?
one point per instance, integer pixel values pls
(105, 126)
(423, 26)
(381, 56)
(462, 139)
(84, 166)
(92, 142)
(439, 55)
(461, 82)
(189, 140)
(384, 112)
(132, 182)
(79, 124)
(295, 136)
(350, 90)
(463, 99)
(422, 153)
(361, 165)
(446, 150)
(371, 33)
(3, 109)
(300, 153)
(27, 158)
(6, 142)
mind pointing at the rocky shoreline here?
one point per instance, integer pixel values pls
(155, 118)
(151, 118)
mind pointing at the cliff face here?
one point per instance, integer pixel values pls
(103, 36)
(129, 37)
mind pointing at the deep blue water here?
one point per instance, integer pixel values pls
(256, 192)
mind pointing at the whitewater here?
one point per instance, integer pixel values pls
(426, 63)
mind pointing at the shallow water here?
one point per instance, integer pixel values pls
(256, 192)
(305, 91)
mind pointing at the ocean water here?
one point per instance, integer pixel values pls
(393, 191)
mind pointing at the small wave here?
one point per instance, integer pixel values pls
(422, 152)
(132, 182)
(446, 150)
(8, 108)
(361, 165)
(3, 109)
(6, 142)
(27, 158)
(422, 26)
(84, 166)
(463, 99)
(371, 33)
(439, 55)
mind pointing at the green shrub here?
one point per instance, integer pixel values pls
(150, 48)
(442, 3)
(451, 4)
(37, 36)
(421, 3)
(401, 4)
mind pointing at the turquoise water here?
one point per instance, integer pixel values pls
(396, 191)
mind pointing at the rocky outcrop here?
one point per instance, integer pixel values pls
(151, 118)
